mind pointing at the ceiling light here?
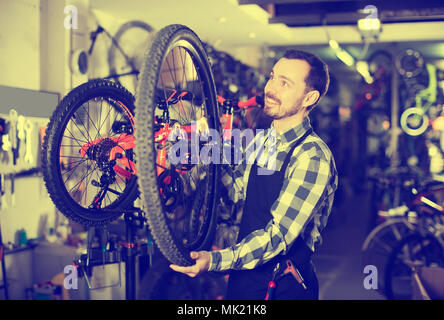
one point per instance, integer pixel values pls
(370, 26)
(252, 35)
(345, 57)
(341, 54)
(223, 19)
(362, 68)
(333, 44)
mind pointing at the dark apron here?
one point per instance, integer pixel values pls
(262, 192)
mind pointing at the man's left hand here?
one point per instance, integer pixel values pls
(202, 264)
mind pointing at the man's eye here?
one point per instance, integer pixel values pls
(284, 84)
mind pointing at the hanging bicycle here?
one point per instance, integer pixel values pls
(124, 55)
(89, 154)
(418, 207)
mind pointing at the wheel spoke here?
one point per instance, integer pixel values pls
(88, 168)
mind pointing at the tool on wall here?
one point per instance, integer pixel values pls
(19, 142)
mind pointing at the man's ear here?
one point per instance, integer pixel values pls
(311, 98)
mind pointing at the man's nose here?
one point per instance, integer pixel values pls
(269, 88)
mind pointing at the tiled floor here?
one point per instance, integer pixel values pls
(338, 259)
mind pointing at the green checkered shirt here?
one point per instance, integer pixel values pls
(303, 205)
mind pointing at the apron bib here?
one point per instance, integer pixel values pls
(262, 192)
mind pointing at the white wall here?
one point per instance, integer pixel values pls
(20, 44)
(54, 47)
(32, 50)
(25, 207)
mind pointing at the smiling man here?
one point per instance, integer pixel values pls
(284, 212)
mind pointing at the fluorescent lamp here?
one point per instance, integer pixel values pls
(333, 44)
(362, 68)
(345, 57)
(369, 24)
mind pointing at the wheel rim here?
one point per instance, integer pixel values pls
(96, 129)
(181, 95)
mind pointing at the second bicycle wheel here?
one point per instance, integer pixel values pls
(380, 243)
(88, 153)
(176, 90)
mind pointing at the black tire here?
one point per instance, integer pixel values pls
(62, 165)
(415, 250)
(176, 239)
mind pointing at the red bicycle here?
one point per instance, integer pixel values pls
(95, 162)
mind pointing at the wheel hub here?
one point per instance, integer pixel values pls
(103, 151)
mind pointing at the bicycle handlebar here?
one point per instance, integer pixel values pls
(252, 102)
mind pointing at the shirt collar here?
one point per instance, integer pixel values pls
(293, 133)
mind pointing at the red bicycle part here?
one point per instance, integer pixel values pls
(124, 142)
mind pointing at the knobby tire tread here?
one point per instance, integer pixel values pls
(145, 147)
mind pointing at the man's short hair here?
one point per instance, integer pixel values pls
(318, 77)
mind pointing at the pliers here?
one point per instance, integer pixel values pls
(290, 268)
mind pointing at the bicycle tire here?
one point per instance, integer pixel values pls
(72, 112)
(168, 39)
(431, 250)
(380, 242)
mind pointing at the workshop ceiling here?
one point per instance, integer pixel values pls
(301, 13)
(227, 24)
(284, 22)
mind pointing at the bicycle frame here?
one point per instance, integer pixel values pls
(119, 145)
(228, 107)
(418, 198)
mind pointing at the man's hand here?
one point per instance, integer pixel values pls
(202, 264)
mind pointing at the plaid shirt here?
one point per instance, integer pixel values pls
(303, 205)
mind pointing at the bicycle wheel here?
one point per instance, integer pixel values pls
(415, 250)
(125, 54)
(380, 243)
(88, 153)
(176, 88)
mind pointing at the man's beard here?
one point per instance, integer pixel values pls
(286, 113)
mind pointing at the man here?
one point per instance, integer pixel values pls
(284, 212)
